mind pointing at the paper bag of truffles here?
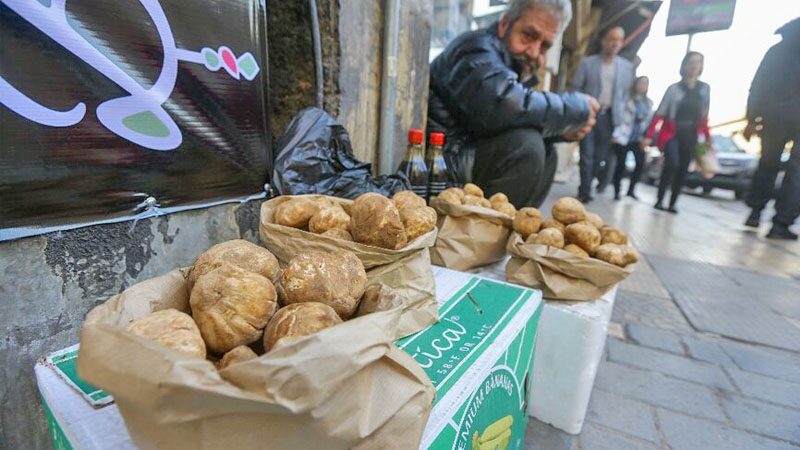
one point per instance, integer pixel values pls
(572, 255)
(390, 237)
(249, 356)
(473, 230)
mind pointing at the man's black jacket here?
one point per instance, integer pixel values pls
(475, 93)
(775, 90)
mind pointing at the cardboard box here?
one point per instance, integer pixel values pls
(479, 358)
(73, 421)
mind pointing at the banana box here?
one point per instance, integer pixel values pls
(479, 358)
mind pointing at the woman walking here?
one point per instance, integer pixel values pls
(682, 114)
(627, 136)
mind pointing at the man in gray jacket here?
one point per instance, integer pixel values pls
(607, 77)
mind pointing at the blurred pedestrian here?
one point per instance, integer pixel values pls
(628, 135)
(683, 115)
(607, 77)
(774, 105)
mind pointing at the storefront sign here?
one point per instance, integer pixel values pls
(697, 16)
(104, 103)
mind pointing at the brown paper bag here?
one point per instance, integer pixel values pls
(469, 236)
(345, 387)
(560, 275)
(407, 271)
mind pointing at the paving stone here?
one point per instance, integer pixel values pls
(706, 350)
(667, 363)
(644, 281)
(774, 363)
(766, 388)
(777, 292)
(693, 279)
(655, 338)
(714, 302)
(594, 437)
(619, 413)
(690, 433)
(541, 436)
(651, 311)
(763, 418)
(657, 389)
(616, 330)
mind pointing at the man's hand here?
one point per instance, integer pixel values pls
(749, 131)
(594, 105)
(646, 143)
(576, 135)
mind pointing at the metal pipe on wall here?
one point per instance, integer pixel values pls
(391, 38)
(317, 40)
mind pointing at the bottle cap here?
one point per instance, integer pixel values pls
(437, 139)
(416, 136)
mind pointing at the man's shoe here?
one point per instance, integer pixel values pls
(585, 198)
(659, 207)
(754, 220)
(780, 231)
(672, 210)
(632, 195)
(616, 196)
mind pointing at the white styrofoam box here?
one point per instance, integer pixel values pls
(569, 348)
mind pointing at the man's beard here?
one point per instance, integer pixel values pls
(523, 65)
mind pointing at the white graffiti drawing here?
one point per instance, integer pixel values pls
(139, 117)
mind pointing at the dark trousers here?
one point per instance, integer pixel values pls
(515, 163)
(595, 155)
(622, 151)
(678, 154)
(774, 137)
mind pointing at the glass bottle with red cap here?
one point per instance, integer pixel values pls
(437, 167)
(413, 165)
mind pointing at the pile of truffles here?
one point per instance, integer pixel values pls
(577, 231)
(473, 195)
(242, 304)
(371, 219)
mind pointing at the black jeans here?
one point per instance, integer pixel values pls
(516, 163)
(774, 137)
(622, 151)
(678, 154)
(594, 155)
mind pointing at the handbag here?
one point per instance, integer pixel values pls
(706, 159)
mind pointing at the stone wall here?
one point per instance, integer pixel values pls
(291, 59)
(412, 72)
(361, 36)
(361, 32)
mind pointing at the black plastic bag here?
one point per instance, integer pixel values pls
(315, 156)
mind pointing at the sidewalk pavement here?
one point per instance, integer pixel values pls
(704, 345)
